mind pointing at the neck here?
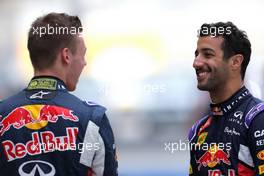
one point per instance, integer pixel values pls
(223, 93)
(50, 73)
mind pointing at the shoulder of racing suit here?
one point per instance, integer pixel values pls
(254, 111)
(92, 111)
(195, 127)
(98, 111)
(10, 103)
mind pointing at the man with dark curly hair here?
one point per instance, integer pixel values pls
(230, 139)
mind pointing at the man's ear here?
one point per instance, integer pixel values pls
(236, 61)
(65, 55)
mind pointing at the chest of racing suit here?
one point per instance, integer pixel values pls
(46, 131)
(230, 140)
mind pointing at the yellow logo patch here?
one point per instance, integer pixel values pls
(42, 83)
(260, 155)
(190, 170)
(261, 169)
(201, 138)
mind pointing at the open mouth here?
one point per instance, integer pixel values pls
(202, 74)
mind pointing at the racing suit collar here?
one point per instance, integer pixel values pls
(46, 82)
(227, 106)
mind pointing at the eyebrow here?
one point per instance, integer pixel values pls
(207, 49)
(204, 50)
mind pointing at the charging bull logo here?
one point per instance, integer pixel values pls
(35, 117)
(17, 118)
(212, 157)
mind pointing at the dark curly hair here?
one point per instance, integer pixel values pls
(235, 41)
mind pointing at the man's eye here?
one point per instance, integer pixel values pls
(196, 53)
(207, 55)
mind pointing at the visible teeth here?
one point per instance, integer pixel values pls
(202, 74)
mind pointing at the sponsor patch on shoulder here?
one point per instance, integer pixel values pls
(202, 138)
(261, 169)
(260, 155)
(190, 170)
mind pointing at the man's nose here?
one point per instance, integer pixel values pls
(197, 62)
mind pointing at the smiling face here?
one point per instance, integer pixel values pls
(212, 70)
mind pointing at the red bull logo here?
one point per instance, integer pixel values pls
(44, 142)
(217, 172)
(17, 118)
(35, 117)
(212, 157)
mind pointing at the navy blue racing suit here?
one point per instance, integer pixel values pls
(45, 130)
(230, 140)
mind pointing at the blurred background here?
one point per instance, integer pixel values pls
(140, 55)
